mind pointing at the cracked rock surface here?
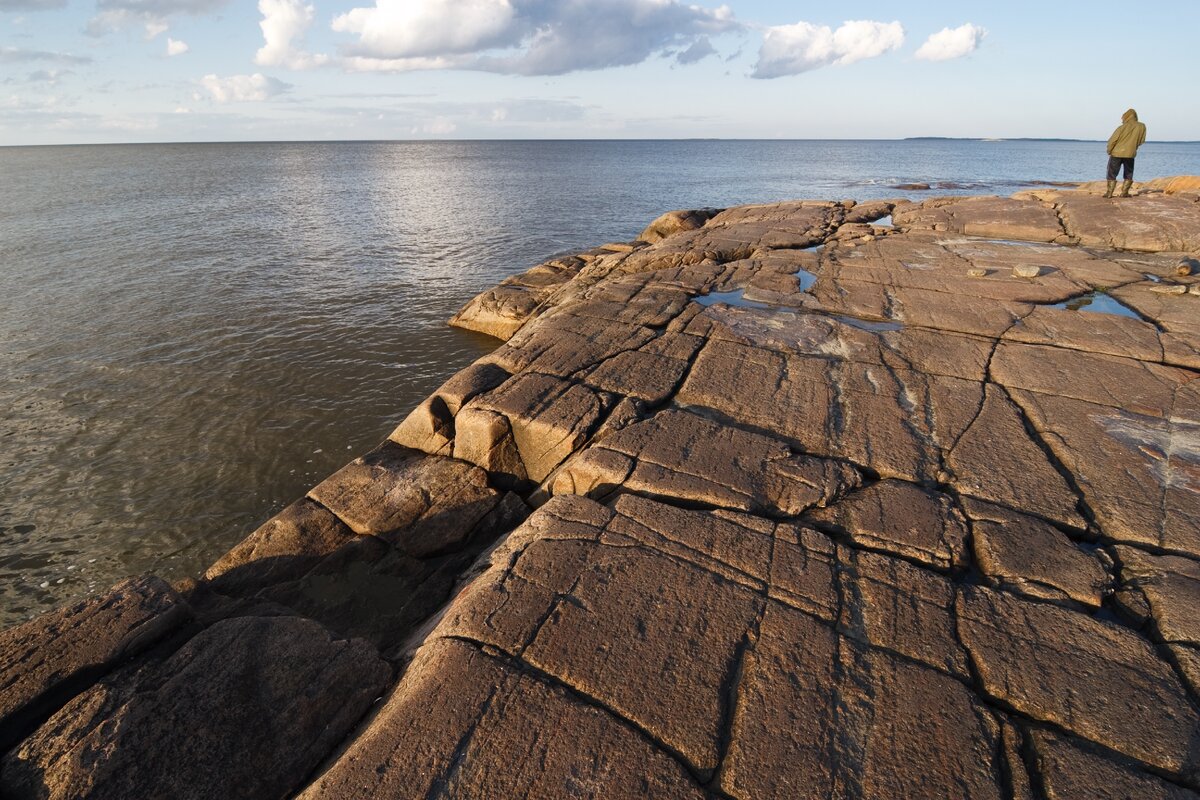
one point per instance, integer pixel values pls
(772, 502)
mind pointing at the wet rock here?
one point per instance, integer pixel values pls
(1031, 557)
(247, 708)
(904, 519)
(1100, 681)
(46, 661)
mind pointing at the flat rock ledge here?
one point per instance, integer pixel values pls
(809, 499)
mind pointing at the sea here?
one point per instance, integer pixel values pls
(192, 335)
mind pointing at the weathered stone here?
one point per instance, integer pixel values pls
(548, 420)
(498, 732)
(892, 605)
(282, 549)
(1093, 333)
(1155, 223)
(1100, 681)
(818, 716)
(420, 503)
(1031, 557)
(1136, 472)
(904, 519)
(996, 460)
(1171, 587)
(430, 426)
(977, 272)
(247, 708)
(674, 222)
(1027, 270)
(681, 455)
(994, 217)
(1068, 770)
(46, 661)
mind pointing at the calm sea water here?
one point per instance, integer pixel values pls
(192, 335)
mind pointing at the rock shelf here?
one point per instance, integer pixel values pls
(809, 499)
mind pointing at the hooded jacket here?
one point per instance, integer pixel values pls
(1126, 140)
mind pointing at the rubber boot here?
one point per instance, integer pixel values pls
(1125, 187)
(1112, 186)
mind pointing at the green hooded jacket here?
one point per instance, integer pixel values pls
(1126, 140)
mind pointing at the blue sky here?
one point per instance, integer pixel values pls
(219, 70)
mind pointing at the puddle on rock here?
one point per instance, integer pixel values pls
(1098, 303)
(885, 222)
(736, 298)
(807, 279)
(1151, 278)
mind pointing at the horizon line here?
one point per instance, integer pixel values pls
(980, 139)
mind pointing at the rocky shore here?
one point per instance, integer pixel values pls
(810, 499)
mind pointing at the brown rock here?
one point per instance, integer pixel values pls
(904, 519)
(46, 661)
(685, 456)
(1134, 470)
(1155, 223)
(499, 732)
(285, 547)
(422, 504)
(247, 708)
(818, 716)
(674, 222)
(1069, 770)
(1031, 557)
(1100, 681)
(996, 460)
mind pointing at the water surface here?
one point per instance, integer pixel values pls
(192, 335)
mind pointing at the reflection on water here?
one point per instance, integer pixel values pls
(192, 335)
(1099, 303)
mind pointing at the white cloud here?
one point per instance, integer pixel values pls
(284, 24)
(526, 37)
(175, 47)
(951, 43)
(793, 49)
(114, 15)
(401, 29)
(243, 88)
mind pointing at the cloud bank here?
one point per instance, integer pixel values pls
(243, 88)
(949, 43)
(113, 15)
(522, 37)
(793, 49)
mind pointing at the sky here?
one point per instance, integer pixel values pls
(89, 71)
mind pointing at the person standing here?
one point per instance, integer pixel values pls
(1122, 148)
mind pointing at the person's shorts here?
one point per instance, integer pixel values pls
(1115, 164)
